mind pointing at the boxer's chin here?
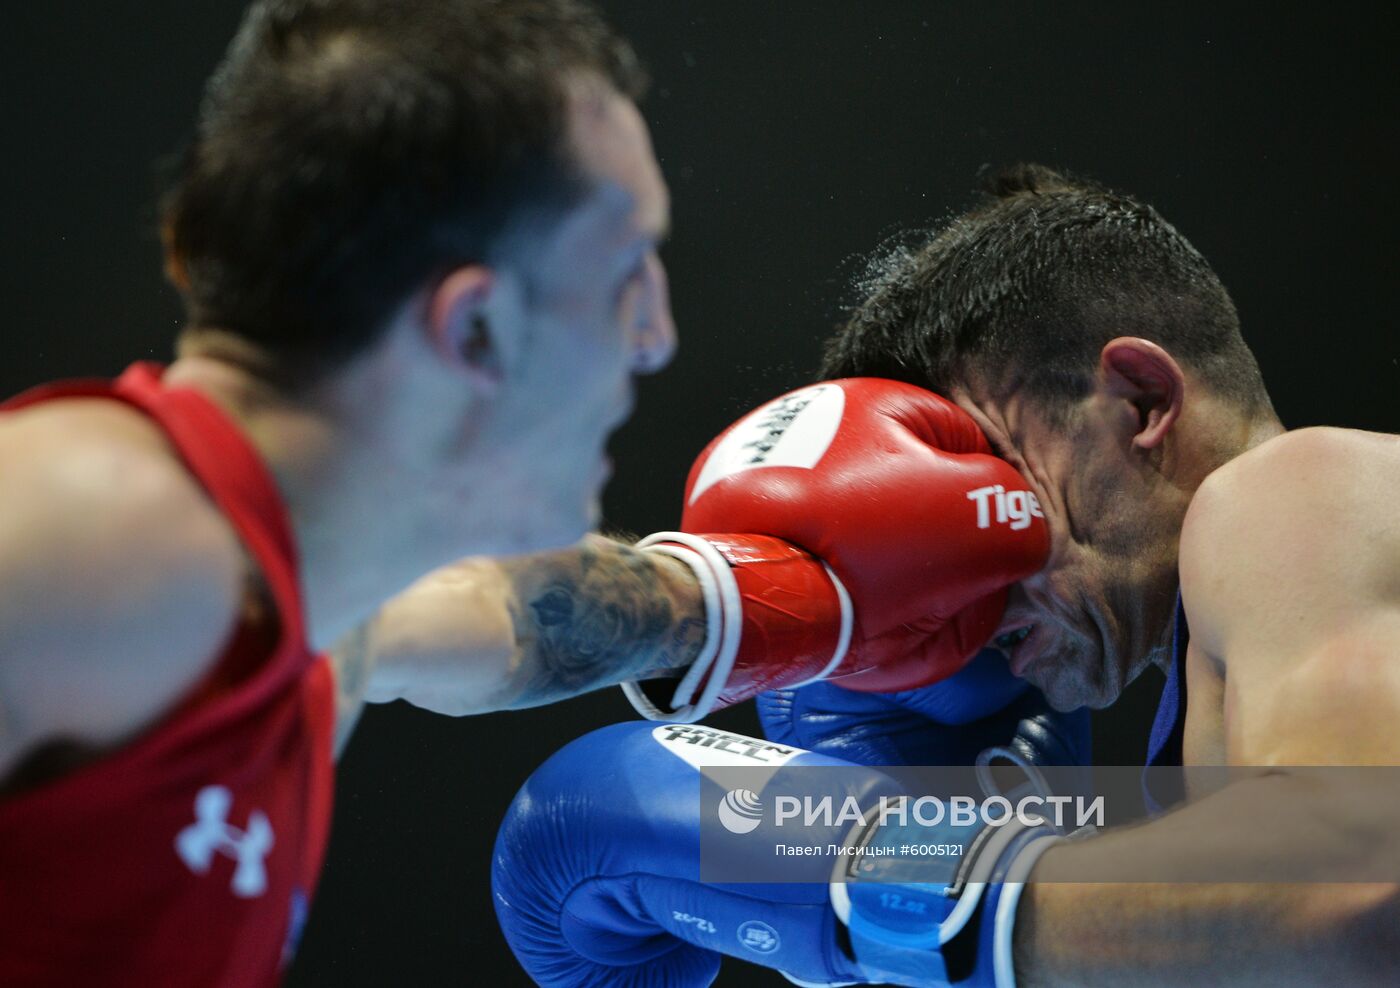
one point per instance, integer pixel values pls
(593, 515)
(1069, 684)
(557, 529)
(1064, 699)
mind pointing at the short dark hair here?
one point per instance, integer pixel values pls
(1023, 291)
(348, 150)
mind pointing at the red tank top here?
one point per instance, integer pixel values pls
(189, 856)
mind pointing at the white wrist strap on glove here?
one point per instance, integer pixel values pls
(723, 620)
(724, 614)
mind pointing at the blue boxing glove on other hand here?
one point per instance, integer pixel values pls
(596, 876)
(947, 723)
(596, 870)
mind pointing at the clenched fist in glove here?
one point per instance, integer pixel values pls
(597, 872)
(857, 530)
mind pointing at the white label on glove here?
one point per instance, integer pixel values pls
(705, 747)
(793, 431)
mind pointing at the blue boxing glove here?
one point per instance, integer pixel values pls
(596, 871)
(950, 722)
(596, 877)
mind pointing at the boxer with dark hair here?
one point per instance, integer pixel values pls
(418, 247)
(1041, 311)
(344, 149)
(1099, 355)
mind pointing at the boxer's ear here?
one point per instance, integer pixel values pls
(458, 323)
(1141, 373)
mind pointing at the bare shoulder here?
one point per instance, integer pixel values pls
(94, 483)
(1304, 517)
(120, 579)
(1357, 455)
(1343, 478)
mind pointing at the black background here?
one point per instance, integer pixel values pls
(795, 138)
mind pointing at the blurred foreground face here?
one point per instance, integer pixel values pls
(587, 302)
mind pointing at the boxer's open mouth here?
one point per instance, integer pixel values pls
(1006, 642)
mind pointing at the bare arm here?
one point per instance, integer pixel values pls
(1292, 581)
(1073, 931)
(598, 616)
(118, 580)
(502, 634)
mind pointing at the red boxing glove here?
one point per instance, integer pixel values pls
(879, 534)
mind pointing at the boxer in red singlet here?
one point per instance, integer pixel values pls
(418, 249)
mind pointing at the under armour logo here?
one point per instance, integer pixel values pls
(211, 833)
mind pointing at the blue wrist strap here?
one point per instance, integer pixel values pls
(952, 927)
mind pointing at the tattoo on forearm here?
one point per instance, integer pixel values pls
(604, 617)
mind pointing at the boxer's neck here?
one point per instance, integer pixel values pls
(362, 527)
(1223, 433)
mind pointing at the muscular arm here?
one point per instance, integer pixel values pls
(1074, 932)
(119, 581)
(1291, 578)
(502, 634)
